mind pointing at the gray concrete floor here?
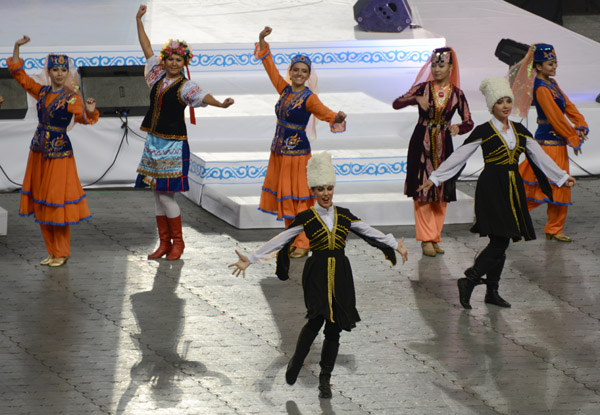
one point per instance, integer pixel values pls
(114, 333)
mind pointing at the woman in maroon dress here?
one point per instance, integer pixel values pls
(437, 93)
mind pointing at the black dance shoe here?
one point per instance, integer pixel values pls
(325, 386)
(492, 297)
(465, 289)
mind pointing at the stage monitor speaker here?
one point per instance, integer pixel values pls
(116, 89)
(383, 15)
(510, 51)
(15, 97)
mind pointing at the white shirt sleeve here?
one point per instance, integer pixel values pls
(275, 244)
(371, 232)
(153, 70)
(454, 163)
(545, 163)
(192, 94)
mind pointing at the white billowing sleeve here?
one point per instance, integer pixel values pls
(275, 244)
(371, 232)
(153, 70)
(545, 163)
(452, 165)
(192, 94)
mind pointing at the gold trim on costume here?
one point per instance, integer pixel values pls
(331, 260)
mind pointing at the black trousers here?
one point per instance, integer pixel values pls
(331, 332)
(490, 261)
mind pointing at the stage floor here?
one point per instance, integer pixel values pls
(113, 333)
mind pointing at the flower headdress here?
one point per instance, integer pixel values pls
(177, 47)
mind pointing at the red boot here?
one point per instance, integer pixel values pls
(165, 238)
(177, 235)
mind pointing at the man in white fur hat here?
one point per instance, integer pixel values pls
(327, 277)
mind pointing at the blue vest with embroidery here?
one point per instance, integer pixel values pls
(290, 135)
(545, 134)
(50, 137)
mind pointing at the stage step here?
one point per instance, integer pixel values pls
(379, 164)
(377, 203)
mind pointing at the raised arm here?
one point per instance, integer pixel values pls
(15, 65)
(263, 53)
(143, 38)
(18, 44)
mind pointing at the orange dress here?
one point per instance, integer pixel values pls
(51, 188)
(285, 191)
(554, 133)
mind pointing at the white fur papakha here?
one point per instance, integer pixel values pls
(493, 89)
(319, 170)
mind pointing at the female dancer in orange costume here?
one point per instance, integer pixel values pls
(554, 133)
(438, 95)
(51, 189)
(285, 192)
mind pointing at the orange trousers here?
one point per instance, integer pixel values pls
(429, 220)
(557, 215)
(301, 240)
(57, 240)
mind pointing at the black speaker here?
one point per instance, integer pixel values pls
(15, 97)
(116, 89)
(383, 15)
(510, 51)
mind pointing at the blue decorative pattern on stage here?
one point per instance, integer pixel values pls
(206, 61)
(232, 173)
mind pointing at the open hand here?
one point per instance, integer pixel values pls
(402, 250)
(423, 102)
(22, 41)
(90, 105)
(240, 266)
(425, 186)
(227, 103)
(264, 33)
(454, 130)
(141, 11)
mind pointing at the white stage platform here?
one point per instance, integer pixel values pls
(360, 73)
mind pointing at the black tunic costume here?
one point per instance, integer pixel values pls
(500, 203)
(327, 276)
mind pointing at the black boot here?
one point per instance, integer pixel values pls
(493, 279)
(465, 289)
(466, 285)
(305, 340)
(328, 357)
(492, 296)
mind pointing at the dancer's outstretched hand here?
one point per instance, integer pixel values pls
(90, 105)
(240, 266)
(339, 117)
(264, 33)
(425, 186)
(141, 11)
(227, 102)
(402, 250)
(22, 41)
